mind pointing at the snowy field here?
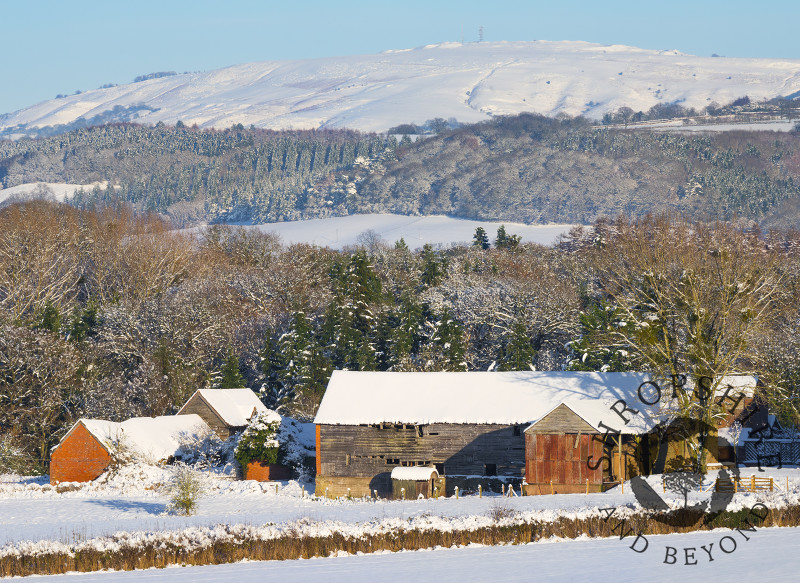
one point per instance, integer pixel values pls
(770, 555)
(338, 232)
(47, 190)
(471, 82)
(134, 500)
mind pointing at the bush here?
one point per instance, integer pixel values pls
(185, 490)
(13, 459)
(258, 442)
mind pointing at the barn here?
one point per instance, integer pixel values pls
(91, 445)
(471, 427)
(226, 411)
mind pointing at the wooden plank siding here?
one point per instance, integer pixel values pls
(200, 407)
(369, 451)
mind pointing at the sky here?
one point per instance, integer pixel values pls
(50, 47)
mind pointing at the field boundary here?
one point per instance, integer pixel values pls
(233, 543)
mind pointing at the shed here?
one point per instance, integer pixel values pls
(90, 446)
(413, 482)
(226, 411)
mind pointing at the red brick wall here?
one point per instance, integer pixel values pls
(79, 458)
(266, 472)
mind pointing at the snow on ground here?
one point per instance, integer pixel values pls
(678, 126)
(134, 500)
(338, 232)
(470, 82)
(770, 554)
(49, 190)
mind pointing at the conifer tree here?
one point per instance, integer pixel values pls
(231, 377)
(480, 238)
(517, 353)
(432, 266)
(449, 337)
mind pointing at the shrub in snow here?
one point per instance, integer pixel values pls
(258, 441)
(207, 451)
(13, 459)
(185, 489)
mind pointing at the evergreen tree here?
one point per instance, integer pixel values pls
(51, 318)
(231, 377)
(517, 352)
(504, 240)
(274, 391)
(351, 328)
(433, 266)
(449, 337)
(480, 238)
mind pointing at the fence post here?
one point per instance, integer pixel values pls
(770, 484)
(276, 489)
(753, 483)
(403, 493)
(551, 487)
(348, 493)
(302, 491)
(456, 491)
(503, 489)
(587, 485)
(480, 491)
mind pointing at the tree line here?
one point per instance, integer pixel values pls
(110, 314)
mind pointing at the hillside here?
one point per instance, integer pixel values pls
(470, 82)
(523, 168)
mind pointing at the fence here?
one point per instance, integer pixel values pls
(751, 484)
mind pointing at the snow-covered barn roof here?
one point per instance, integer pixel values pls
(355, 398)
(234, 406)
(507, 398)
(153, 438)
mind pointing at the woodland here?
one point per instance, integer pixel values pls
(525, 168)
(110, 313)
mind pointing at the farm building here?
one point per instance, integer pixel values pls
(552, 430)
(90, 446)
(469, 426)
(226, 411)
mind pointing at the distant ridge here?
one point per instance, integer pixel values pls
(469, 82)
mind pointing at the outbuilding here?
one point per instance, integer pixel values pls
(469, 426)
(91, 445)
(416, 482)
(226, 411)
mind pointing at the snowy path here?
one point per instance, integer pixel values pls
(770, 555)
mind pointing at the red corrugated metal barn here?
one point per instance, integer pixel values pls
(557, 452)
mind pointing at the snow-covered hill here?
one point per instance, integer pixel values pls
(467, 81)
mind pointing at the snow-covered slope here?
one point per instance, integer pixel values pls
(339, 232)
(47, 190)
(467, 81)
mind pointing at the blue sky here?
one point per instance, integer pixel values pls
(49, 47)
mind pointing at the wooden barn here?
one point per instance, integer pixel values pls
(470, 426)
(91, 445)
(227, 411)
